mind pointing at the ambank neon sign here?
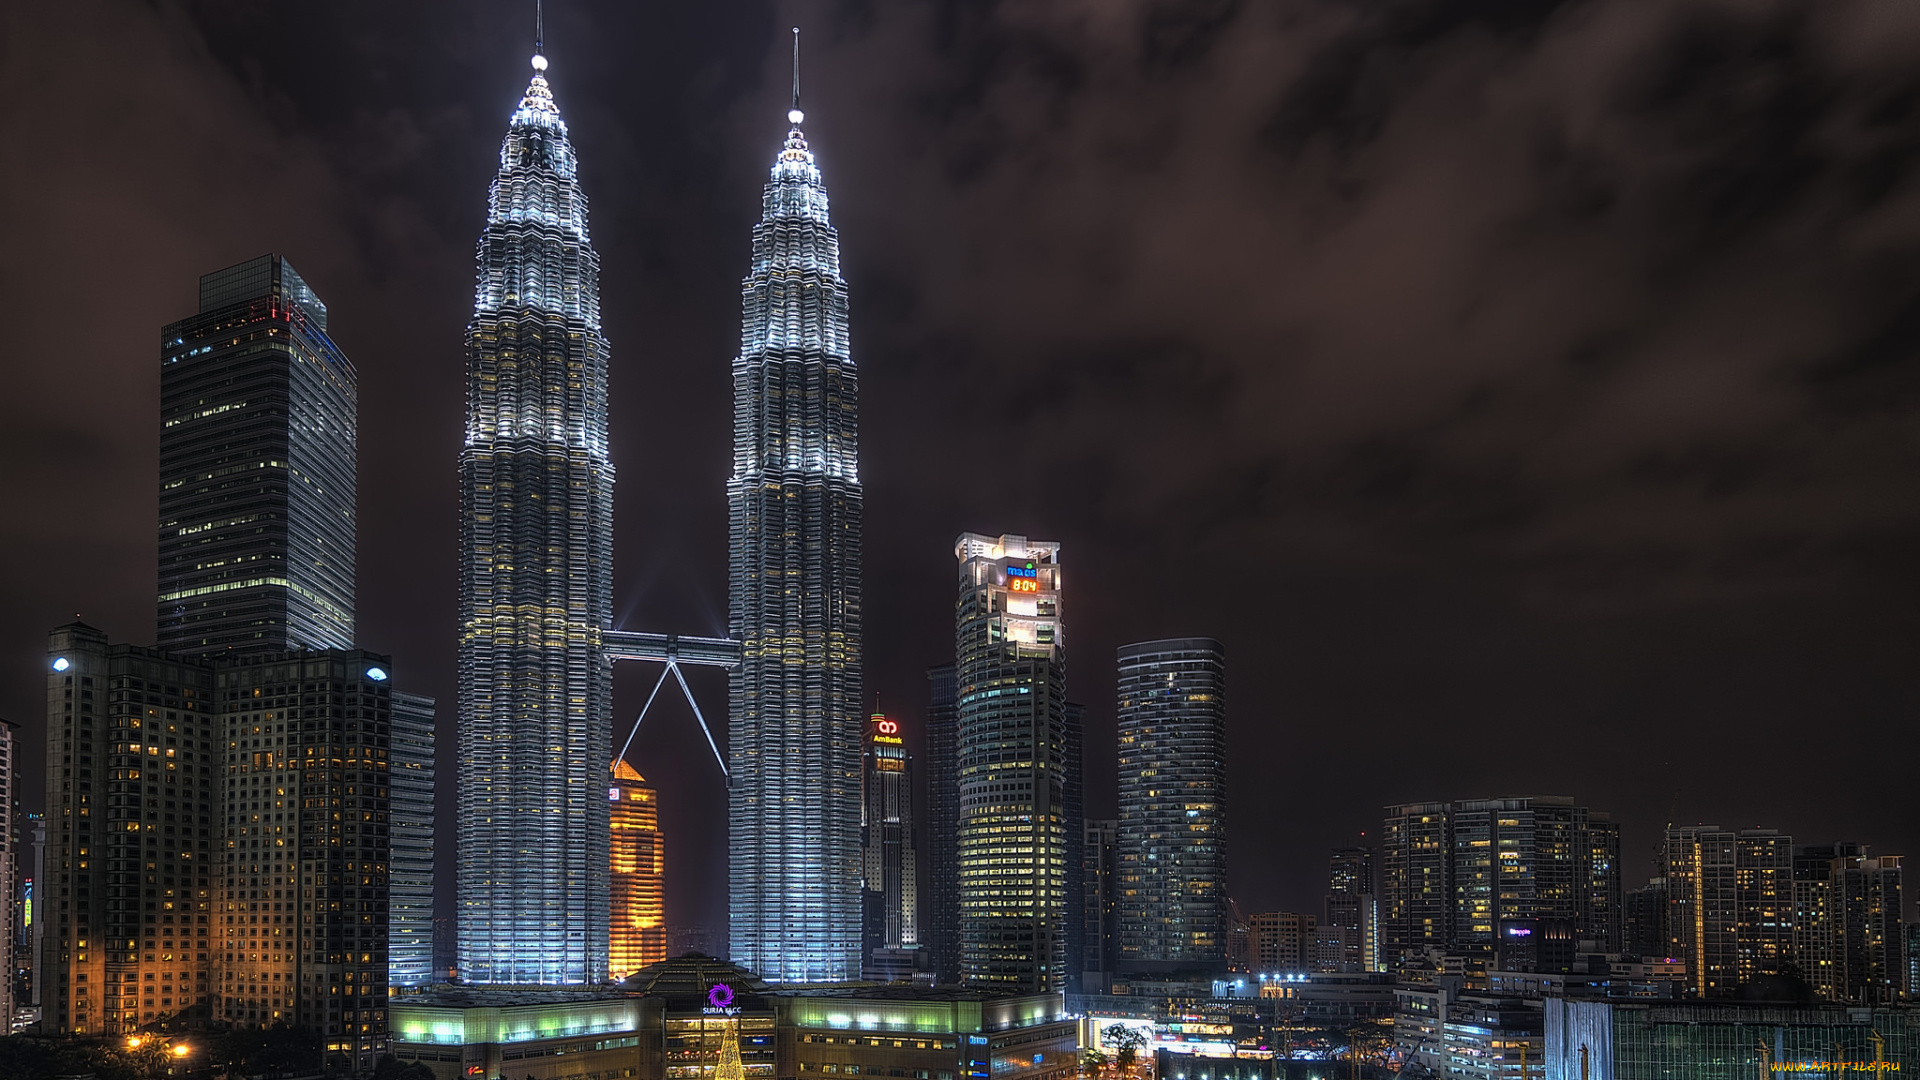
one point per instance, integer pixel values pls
(720, 1001)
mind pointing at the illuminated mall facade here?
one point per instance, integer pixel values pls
(697, 1018)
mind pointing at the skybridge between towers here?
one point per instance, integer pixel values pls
(673, 650)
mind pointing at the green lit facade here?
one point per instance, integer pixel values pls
(670, 1022)
(1726, 1041)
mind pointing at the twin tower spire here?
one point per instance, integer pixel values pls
(535, 699)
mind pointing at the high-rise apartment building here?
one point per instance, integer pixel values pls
(941, 931)
(1454, 873)
(638, 934)
(536, 576)
(1730, 902)
(1100, 908)
(410, 874)
(1282, 941)
(1870, 903)
(248, 794)
(257, 409)
(1848, 935)
(890, 864)
(1416, 886)
(1010, 663)
(794, 513)
(1351, 911)
(301, 880)
(136, 770)
(1173, 764)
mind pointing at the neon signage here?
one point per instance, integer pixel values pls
(887, 727)
(720, 1001)
(1023, 585)
(1519, 931)
(1022, 572)
(885, 730)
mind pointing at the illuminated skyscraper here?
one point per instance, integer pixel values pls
(536, 576)
(891, 894)
(637, 933)
(257, 428)
(1010, 662)
(1173, 801)
(794, 520)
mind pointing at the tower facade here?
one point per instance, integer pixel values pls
(410, 874)
(941, 933)
(1729, 903)
(257, 428)
(1010, 666)
(536, 578)
(794, 520)
(638, 933)
(891, 866)
(1350, 909)
(1173, 800)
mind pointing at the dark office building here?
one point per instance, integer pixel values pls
(1351, 911)
(1099, 906)
(1645, 923)
(1074, 800)
(941, 934)
(257, 415)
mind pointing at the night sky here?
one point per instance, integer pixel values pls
(1527, 394)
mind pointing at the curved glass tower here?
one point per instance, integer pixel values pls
(536, 576)
(794, 509)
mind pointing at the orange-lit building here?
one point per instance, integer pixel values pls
(637, 931)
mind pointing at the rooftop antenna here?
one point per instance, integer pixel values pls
(539, 35)
(794, 115)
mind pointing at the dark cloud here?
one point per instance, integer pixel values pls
(1526, 393)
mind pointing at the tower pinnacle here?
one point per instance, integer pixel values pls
(794, 115)
(539, 35)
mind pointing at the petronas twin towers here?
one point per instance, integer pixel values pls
(535, 702)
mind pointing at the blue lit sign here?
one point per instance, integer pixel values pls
(60, 664)
(377, 674)
(1022, 571)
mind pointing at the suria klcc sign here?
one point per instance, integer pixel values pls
(720, 1001)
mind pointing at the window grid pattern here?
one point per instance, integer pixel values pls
(1013, 735)
(536, 585)
(1172, 843)
(794, 521)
